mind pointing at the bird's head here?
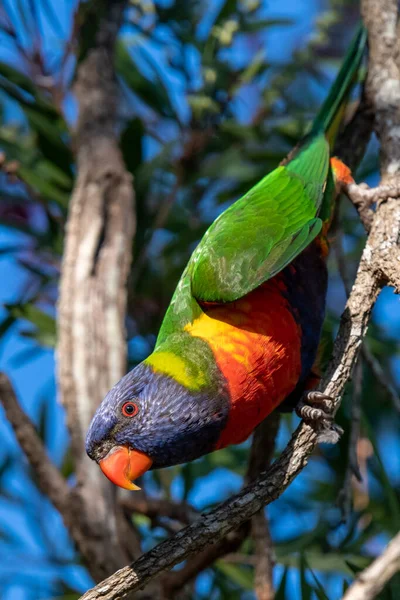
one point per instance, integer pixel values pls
(149, 420)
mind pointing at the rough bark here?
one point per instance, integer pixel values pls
(91, 348)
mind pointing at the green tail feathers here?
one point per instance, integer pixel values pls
(331, 113)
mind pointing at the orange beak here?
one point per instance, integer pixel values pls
(122, 465)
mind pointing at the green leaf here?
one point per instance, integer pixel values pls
(188, 473)
(319, 590)
(45, 188)
(354, 568)
(306, 589)
(200, 104)
(251, 26)
(281, 591)
(44, 323)
(42, 116)
(228, 8)
(256, 67)
(68, 464)
(7, 462)
(326, 562)
(43, 424)
(17, 85)
(17, 78)
(152, 93)
(231, 163)
(87, 22)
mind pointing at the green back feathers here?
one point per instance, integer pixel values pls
(257, 236)
(331, 113)
(261, 233)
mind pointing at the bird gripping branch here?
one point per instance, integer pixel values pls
(241, 334)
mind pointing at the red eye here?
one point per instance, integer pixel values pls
(130, 409)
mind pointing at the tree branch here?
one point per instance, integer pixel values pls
(173, 582)
(372, 580)
(49, 480)
(91, 346)
(154, 507)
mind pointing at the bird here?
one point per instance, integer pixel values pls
(241, 334)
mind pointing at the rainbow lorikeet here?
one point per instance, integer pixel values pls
(241, 333)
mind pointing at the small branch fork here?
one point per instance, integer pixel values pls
(363, 197)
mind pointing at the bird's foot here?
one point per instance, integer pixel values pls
(316, 407)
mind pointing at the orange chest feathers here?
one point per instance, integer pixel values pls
(256, 343)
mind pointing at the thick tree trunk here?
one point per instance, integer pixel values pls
(91, 349)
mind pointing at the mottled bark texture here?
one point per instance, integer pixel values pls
(91, 349)
(379, 265)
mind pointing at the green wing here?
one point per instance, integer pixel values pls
(265, 230)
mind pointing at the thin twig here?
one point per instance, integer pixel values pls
(369, 358)
(173, 582)
(158, 507)
(363, 197)
(373, 579)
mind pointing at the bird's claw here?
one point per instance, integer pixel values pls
(321, 415)
(307, 410)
